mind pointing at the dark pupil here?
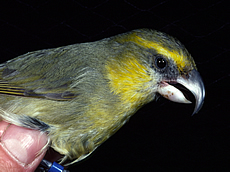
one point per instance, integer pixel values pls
(161, 63)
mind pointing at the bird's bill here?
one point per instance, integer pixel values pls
(193, 82)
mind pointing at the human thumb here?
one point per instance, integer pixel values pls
(21, 149)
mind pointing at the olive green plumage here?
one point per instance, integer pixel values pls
(81, 94)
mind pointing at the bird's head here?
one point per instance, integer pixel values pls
(152, 62)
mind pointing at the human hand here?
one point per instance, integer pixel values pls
(21, 149)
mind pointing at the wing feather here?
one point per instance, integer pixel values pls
(40, 74)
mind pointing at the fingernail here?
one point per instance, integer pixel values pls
(23, 144)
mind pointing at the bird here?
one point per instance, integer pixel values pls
(81, 94)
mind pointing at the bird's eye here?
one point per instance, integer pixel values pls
(160, 62)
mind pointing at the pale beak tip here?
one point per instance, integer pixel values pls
(195, 84)
(187, 101)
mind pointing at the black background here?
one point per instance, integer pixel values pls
(162, 136)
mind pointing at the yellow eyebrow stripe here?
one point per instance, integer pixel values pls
(178, 57)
